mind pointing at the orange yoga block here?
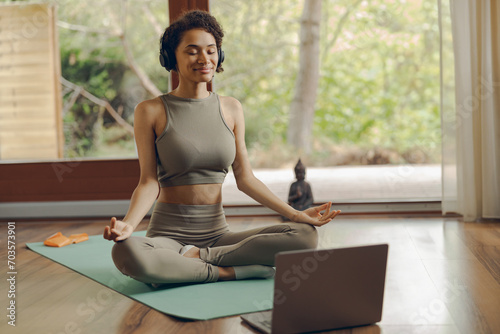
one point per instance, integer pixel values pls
(76, 238)
(57, 240)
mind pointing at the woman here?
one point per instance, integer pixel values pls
(186, 141)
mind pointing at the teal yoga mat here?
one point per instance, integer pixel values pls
(202, 301)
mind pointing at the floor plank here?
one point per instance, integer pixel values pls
(443, 276)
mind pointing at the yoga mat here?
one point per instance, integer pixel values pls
(200, 301)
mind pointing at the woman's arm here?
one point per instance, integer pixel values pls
(147, 189)
(141, 201)
(253, 187)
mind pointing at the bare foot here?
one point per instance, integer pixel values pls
(226, 274)
(193, 253)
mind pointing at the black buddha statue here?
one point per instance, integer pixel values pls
(300, 196)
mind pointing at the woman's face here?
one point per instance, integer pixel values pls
(197, 56)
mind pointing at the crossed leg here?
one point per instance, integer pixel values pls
(157, 260)
(259, 245)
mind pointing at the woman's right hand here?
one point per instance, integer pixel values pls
(118, 230)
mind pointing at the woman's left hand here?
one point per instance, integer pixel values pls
(313, 216)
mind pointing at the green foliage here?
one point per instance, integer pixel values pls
(379, 84)
(103, 80)
(379, 74)
(93, 57)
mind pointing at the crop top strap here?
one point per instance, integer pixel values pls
(167, 115)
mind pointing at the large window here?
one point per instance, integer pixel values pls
(378, 92)
(377, 97)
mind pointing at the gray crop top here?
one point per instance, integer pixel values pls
(196, 146)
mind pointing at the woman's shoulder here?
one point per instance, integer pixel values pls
(150, 108)
(150, 105)
(230, 102)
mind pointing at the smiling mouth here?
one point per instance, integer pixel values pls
(204, 69)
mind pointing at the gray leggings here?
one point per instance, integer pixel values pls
(155, 258)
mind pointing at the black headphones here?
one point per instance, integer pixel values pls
(168, 60)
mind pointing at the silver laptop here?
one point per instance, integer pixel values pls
(324, 289)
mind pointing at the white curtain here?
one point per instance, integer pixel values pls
(471, 114)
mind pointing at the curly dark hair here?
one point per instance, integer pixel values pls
(195, 19)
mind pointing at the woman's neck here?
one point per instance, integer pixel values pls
(196, 90)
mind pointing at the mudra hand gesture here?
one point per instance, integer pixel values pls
(118, 230)
(314, 217)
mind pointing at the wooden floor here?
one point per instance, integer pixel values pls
(443, 276)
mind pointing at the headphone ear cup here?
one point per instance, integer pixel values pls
(221, 58)
(164, 60)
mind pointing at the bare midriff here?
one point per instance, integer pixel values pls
(193, 194)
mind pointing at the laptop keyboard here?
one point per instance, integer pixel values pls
(266, 323)
(265, 319)
(259, 320)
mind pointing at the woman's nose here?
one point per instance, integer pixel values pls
(203, 58)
